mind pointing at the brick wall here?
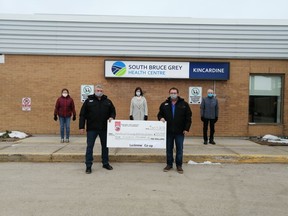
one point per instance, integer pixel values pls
(42, 77)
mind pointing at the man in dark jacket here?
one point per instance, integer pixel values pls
(209, 113)
(96, 111)
(177, 113)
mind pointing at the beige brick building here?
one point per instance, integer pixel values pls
(40, 72)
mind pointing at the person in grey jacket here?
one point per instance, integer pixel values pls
(138, 106)
(209, 114)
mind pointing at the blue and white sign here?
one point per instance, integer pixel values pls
(145, 69)
(167, 70)
(209, 70)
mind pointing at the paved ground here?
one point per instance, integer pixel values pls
(136, 189)
(47, 148)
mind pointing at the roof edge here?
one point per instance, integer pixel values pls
(139, 19)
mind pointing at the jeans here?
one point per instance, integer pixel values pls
(91, 137)
(64, 123)
(205, 129)
(179, 139)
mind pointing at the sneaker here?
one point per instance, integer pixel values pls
(62, 141)
(179, 169)
(88, 170)
(205, 142)
(108, 167)
(167, 168)
(212, 142)
(67, 140)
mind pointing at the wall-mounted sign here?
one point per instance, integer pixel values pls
(145, 69)
(167, 70)
(195, 95)
(209, 70)
(86, 90)
(26, 104)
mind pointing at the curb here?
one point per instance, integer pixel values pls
(144, 158)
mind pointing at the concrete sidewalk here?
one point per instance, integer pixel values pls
(47, 148)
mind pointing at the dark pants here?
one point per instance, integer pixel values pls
(205, 129)
(179, 139)
(91, 137)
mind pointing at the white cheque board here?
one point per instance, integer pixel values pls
(136, 134)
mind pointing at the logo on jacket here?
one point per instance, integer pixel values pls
(118, 68)
(117, 125)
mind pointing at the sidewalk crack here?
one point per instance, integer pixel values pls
(59, 149)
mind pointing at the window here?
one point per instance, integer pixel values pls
(265, 99)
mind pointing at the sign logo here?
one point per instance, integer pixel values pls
(195, 91)
(118, 68)
(117, 125)
(87, 90)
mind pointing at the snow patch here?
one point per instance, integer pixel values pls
(190, 162)
(274, 139)
(16, 134)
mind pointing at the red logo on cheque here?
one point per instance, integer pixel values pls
(117, 125)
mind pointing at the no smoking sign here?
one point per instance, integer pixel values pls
(26, 104)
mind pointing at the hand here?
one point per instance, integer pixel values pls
(131, 117)
(55, 117)
(185, 132)
(202, 119)
(110, 119)
(216, 119)
(81, 131)
(162, 119)
(145, 117)
(74, 118)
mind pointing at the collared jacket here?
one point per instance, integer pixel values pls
(95, 113)
(138, 108)
(65, 107)
(182, 119)
(209, 108)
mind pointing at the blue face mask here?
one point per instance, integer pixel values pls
(210, 95)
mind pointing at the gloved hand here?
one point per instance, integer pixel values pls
(55, 117)
(74, 118)
(131, 117)
(202, 119)
(216, 119)
(145, 117)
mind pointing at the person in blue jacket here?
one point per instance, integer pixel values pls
(209, 114)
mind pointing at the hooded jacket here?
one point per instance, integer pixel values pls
(96, 112)
(182, 116)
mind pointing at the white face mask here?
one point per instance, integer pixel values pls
(173, 96)
(138, 93)
(64, 94)
(99, 94)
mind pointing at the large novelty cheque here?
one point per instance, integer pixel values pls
(136, 134)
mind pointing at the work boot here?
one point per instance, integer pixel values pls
(179, 169)
(212, 142)
(167, 168)
(88, 170)
(108, 167)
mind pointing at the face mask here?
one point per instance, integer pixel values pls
(173, 96)
(210, 94)
(138, 93)
(64, 94)
(99, 94)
